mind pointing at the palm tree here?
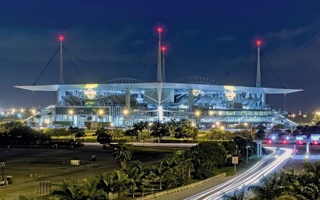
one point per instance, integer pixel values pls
(159, 171)
(139, 127)
(122, 154)
(272, 187)
(69, 191)
(159, 130)
(106, 183)
(304, 185)
(92, 192)
(122, 182)
(139, 175)
(186, 163)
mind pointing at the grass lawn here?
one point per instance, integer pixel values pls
(29, 166)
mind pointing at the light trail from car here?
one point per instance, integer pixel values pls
(249, 177)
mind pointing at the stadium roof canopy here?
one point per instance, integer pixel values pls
(183, 86)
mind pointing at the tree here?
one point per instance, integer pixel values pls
(230, 147)
(92, 192)
(260, 134)
(69, 191)
(218, 134)
(241, 143)
(159, 171)
(138, 174)
(122, 182)
(272, 187)
(116, 133)
(139, 127)
(123, 155)
(131, 132)
(103, 137)
(106, 182)
(171, 164)
(206, 157)
(159, 130)
(185, 130)
(77, 132)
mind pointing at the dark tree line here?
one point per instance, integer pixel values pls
(16, 133)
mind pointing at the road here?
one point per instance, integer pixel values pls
(250, 177)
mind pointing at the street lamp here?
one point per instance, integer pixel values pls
(13, 112)
(47, 122)
(100, 112)
(247, 147)
(125, 115)
(197, 113)
(71, 112)
(100, 115)
(2, 167)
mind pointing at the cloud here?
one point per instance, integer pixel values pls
(287, 34)
(225, 38)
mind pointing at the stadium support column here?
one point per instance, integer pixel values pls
(259, 149)
(160, 108)
(61, 38)
(59, 98)
(159, 65)
(190, 101)
(258, 79)
(264, 99)
(127, 99)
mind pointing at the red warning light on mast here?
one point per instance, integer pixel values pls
(61, 38)
(258, 43)
(163, 48)
(159, 29)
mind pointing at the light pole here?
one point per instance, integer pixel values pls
(247, 147)
(71, 112)
(13, 112)
(197, 113)
(125, 115)
(2, 167)
(245, 125)
(100, 115)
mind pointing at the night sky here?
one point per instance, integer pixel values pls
(117, 39)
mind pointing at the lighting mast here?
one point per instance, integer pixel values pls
(159, 66)
(163, 50)
(258, 80)
(61, 38)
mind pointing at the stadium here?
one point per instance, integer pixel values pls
(125, 101)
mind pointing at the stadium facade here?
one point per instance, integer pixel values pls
(125, 101)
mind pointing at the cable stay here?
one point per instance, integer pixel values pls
(274, 73)
(84, 63)
(75, 66)
(47, 65)
(173, 67)
(144, 65)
